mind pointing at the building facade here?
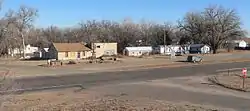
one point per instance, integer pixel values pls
(29, 51)
(68, 51)
(101, 49)
(199, 48)
(168, 49)
(240, 43)
(138, 51)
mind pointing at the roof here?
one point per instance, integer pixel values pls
(238, 41)
(70, 47)
(46, 49)
(143, 48)
(246, 40)
(105, 43)
(197, 45)
(170, 46)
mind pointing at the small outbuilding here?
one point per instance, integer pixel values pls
(199, 48)
(42, 53)
(104, 49)
(240, 43)
(29, 51)
(138, 51)
(168, 49)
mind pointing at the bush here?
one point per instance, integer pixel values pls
(72, 62)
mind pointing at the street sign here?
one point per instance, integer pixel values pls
(244, 72)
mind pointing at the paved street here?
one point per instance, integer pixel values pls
(87, 80)
(155, 84)
(175, 94)
(34, 68)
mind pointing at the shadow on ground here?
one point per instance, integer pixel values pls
(183, 61)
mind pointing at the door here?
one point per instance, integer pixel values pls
(78, 55)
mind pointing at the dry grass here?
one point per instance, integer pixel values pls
(232, 51)
(6, 83)
(232, 81)
(69, 100)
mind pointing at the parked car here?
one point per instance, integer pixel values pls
(194, 59)
(179, 53)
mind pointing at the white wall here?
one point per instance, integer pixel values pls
(242, 44)
(137, 53)
(169, 49)
(28, 50)
(206, 49)
(105, 49)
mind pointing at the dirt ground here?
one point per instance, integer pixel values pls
(232, 81)
(194, 93)
(31, 68)
(75, 100)
(82, 101)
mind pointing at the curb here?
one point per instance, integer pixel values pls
(215, 81)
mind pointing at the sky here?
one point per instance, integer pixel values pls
(66, 13)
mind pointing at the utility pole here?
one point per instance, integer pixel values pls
(93, 52)
(164, 41)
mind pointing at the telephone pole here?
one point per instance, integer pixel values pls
(164, 40)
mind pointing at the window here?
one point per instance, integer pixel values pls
(66, 54)
(106, 52)
(78, 54)
(109, 52)
(83, 53)
(98, 46)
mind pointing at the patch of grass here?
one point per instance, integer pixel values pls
(233, 81)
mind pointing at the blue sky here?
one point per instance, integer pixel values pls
(69, 12)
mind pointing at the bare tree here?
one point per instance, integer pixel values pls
(36, 37)
(7, 40)
(193, 25)
(126, 33)
(163, 34)
(214, 26)
(6, 77)
(53, 34)
(25, 17)
(221, 25)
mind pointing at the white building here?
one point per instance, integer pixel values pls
(104, 49)
(199, 48)
(138, 51)
(29, 51)
(168, 49)
(240, 43)
(42, 53)
(186, 48)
